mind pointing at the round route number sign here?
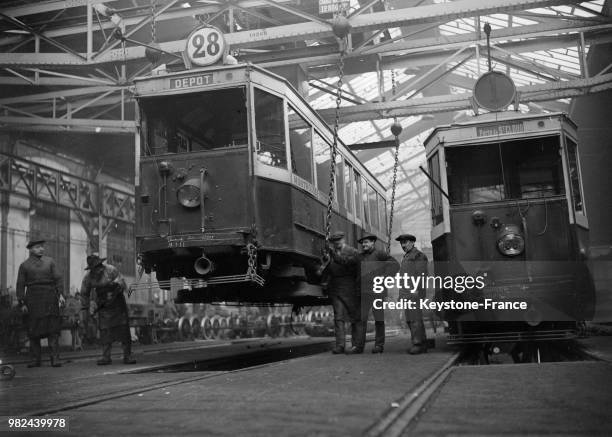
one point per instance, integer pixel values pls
(205, 46)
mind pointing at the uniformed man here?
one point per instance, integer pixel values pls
(341, 268)
(40, 293)
(374, 262)
(414, 263)
(113, 320)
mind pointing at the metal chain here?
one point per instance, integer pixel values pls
(153, 22)
(252, 260)
(395, 164)
(393, 186)
(334, 149)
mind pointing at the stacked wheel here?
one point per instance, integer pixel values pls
(207, 332)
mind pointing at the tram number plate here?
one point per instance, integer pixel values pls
(191, 81)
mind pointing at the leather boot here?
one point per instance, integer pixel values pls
(106, 355)
(340, 337)
(127, 353)
(35, 350)
(54, 349)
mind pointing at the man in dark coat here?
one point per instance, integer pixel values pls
(40, 293)
(374, 262)
(113, 320)
(414, 263)
(341, 268)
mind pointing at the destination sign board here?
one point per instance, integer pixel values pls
(500, 129)
(191, 81)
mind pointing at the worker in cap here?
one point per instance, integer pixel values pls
(113, 320)
(340, 270)
(374, 263)
(414, 263)
(40, 290)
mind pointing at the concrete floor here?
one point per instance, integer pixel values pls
(324, 395)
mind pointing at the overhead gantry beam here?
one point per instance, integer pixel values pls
(371, 111)
(300, 31)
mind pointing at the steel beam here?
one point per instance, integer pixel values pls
(133, 20)
(312, 30)
(107, 126)
(431, 105)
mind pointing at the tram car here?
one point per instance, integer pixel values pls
(232, 187)
(507, 205)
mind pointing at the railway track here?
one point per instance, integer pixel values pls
(405, 412)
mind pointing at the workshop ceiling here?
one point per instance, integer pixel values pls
(64, 71)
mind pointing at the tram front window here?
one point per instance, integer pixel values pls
(194, 122)
(522, 169)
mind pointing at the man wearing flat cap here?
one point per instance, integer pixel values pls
(374, 262)
(113, 320)
(414, 263)
(41, 294)
(342, 273)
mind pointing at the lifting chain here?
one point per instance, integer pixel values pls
(252, 260)
(341, 28)
(334, 150)
(396, 129)
(153, 22)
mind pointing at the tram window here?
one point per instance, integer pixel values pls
(364, 202)
(436, 195)
(270, 128)
(348, 170)
(300, 139)
(339, 181)
(194, 122)
(382, 211)
(532, 168)
(322, 158)
(373, 203)
(357, 194)
(466, 185)
(522, 169)
(574, 174)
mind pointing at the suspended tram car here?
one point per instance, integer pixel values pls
(232, 187)
(507, 205)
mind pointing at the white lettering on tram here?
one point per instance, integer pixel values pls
(191, 81)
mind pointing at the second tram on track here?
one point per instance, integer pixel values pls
(507, 204)
(234, 173)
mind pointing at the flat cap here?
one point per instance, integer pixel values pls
(94, 260)
(335, 236)
(34, 243)
(368, 237)
(404, 237)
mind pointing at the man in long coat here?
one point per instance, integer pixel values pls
(374, 262)
(113, 319)
(342, 272)
(40, 293)
(414, 263)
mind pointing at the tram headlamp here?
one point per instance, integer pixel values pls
(511, 242)
(188, 194)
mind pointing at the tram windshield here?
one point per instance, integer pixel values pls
(521, 169)
(194, 122)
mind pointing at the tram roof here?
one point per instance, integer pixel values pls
(491, 117)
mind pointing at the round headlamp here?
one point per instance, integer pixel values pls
(188, 194)
(511, 241)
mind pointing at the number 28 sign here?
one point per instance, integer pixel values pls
(205, 46)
